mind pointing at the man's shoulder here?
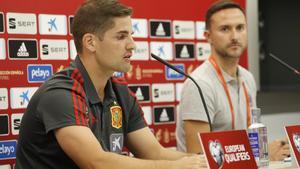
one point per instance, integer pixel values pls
(204, 73)
(245, 73)
(65, 79)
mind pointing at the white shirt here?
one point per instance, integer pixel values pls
(191, 107)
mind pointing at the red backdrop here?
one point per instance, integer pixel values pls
(13, 72)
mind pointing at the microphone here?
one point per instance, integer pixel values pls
(285, 64)
(192, 79)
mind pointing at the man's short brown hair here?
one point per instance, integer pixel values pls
(218, 6)
(96, 16)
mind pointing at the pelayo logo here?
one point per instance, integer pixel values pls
(8, 149)
(39, 73)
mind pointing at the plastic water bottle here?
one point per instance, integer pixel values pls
(257, 133)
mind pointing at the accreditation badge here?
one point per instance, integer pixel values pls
(116, 116)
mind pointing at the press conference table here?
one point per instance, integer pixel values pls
(280, 165)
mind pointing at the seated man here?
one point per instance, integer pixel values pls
(229, 89)
(82, 117)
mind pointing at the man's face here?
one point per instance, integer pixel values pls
(228, 33)
(114, 50)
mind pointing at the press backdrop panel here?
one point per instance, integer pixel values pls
(35, 42)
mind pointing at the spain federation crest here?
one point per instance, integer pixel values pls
(116, 116)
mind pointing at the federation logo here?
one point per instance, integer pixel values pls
(116, 116)
(217, 152)
(39, 73)
(1, 22)
(160, 29)
(22, 49)
(4, 129)
(296, 139)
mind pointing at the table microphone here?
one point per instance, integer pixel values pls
(284, 64)
(188, 76)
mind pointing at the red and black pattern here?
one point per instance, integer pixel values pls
(78, 98)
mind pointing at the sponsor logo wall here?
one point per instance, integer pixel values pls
(1, 22)
(36, 41)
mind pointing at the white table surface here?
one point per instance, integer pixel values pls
(281, 165)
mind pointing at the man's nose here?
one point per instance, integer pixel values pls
(234, 35)
(131, 44)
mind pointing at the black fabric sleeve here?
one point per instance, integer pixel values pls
(136, 115)
(62, 107)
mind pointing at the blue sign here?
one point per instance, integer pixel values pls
(118, 74)
(172, 74)
(254, 143)
(52, 24)
(38, 73)
(8, 149)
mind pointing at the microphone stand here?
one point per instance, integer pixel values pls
(285, 64)
(192, 79)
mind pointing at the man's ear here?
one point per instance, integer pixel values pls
(207, 35)
(89, 42)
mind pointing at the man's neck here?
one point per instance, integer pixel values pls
(229, 65)
(98, 77)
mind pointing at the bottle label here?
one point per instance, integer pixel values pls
(254, 142)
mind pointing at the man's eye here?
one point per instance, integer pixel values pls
(224, 29)
(121, 37)
(240, 28)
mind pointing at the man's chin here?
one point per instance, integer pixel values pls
(234, 54)
(126, 69)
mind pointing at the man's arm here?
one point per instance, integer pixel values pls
(83, 148)
(193, 114)
(191, 129)
(143, 144)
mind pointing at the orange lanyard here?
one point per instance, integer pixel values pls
(221, 78)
